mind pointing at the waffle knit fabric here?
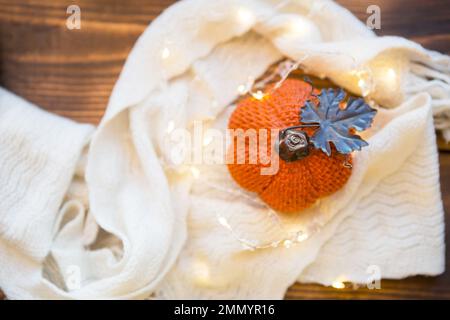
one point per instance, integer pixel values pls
(125, 226)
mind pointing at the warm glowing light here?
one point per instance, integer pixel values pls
(224, 222)
(201, 272)
(361, 83)
(287, 243)
(258, 95)
(391, 75)
(339, 283)
(302, 237)
(242, 89)
(364, 86)
(165, 53)
(195, 172)
(171, 126)
(298, 27)
(245, 16)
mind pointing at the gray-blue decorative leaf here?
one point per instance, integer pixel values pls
(335, 123)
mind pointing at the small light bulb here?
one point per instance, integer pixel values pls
(339, 283)
(195, 172)
(302, 237)
(165, 53)
(201, 272)
(224, 222)
(391, 78)
(171, 126)
(391, 73)
(242, 89)
(245, 16)
(362, 84)
(258, 95)
(287, 244)
(298, 27)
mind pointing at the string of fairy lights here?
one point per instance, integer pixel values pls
(366, 84)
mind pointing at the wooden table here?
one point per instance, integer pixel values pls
(72, 72)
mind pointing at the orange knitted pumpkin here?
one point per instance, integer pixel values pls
(298, 184)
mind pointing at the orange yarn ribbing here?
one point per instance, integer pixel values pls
(297, 185)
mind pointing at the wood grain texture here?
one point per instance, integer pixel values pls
(72, 72)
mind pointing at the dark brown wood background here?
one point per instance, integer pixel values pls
(72, 72)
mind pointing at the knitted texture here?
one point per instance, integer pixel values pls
(298, 184)
(170, 241)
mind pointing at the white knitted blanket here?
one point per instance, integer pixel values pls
(116, 221)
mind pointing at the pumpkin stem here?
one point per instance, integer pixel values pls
(293, 144)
